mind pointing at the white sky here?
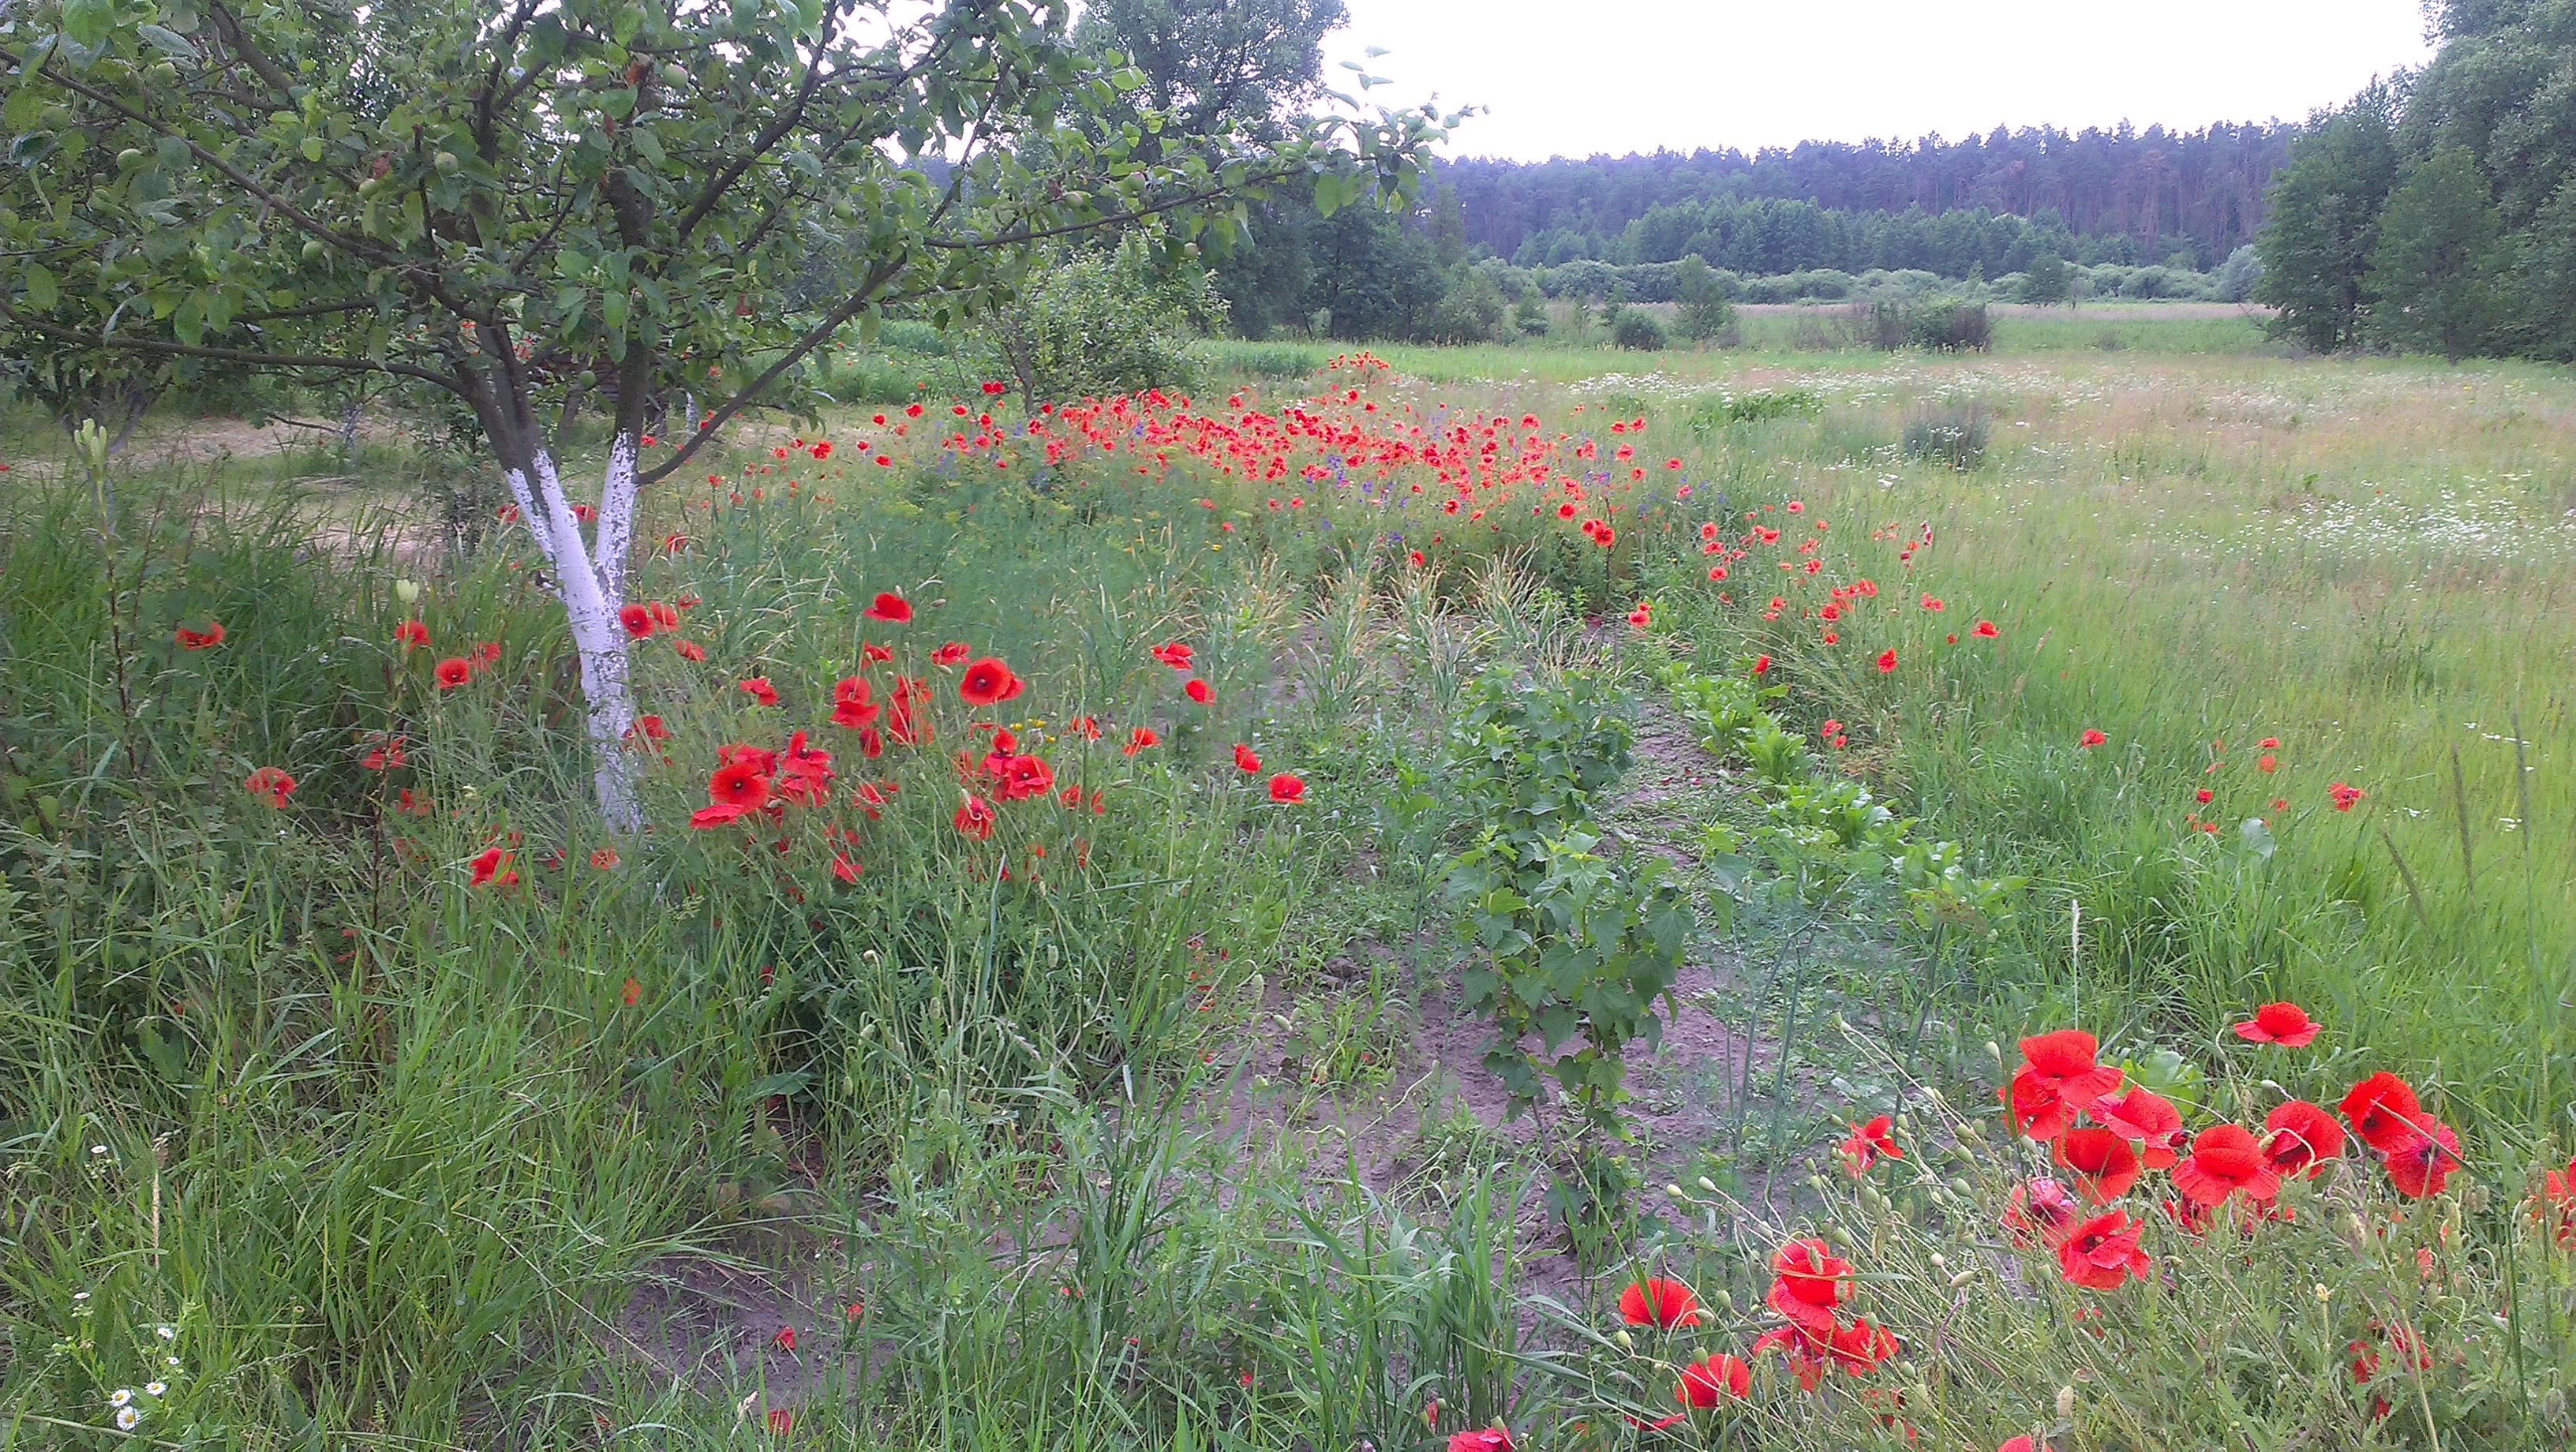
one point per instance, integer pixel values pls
(1574, 77)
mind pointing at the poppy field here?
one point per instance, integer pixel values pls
(1432, 901)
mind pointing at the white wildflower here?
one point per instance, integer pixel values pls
(126, 1418)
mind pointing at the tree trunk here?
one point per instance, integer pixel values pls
(592, 593)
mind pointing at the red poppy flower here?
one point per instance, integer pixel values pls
(2224, 1160)
(273, 783)
(821, 451)
(1143, 738)
(1199, 691)
(2382, 1109)
(780, 1421)
(854, 706)
(975, 818)
(638, 620)
(760, 690)
(1808, 1284)
(1174, 654)
(1887, 663)
(493, 869)
(1805, 1350)
(1245, 761)
(2421, 1163)
(2104, 1165)
(953, 653)
(649, 728)
(412, 634)
(1861, 1348)
(1986, 630)
(2148, 1121)
(2204, 796)
(2042, 1211)
(2300, 1138)
(988, 682)
(1706, 1383)
(739, 783)
(488, 653)
(2102, 1253)
(1023, 778)
(1868, 1144)
(2554, 1207)
(1287, 788)
(2092, 739)
(1657, 1302)
(2285, 1024)
(453, 672)
(2059, 1079)
(891, 608)
(1491, 1439)
(206, 639)
(2345, 797)
(1641, 618)
(1761, 665)
(691, 651)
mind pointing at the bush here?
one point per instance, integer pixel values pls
(1955, 435)
(1638, 331)
(1948, 326)
(1098, 324)
(1470, 312)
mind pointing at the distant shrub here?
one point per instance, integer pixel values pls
(1471, 311)
(1638, 331)
(1824, 284)
(1955, 434)
(2235, 279)
(1945, 325)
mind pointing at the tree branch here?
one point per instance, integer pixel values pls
(248, 357)
(884, 272)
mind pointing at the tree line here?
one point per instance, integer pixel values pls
(2122, 195)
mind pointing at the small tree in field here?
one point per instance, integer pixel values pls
(1706, 311)
(546, 205)
(2045, 281)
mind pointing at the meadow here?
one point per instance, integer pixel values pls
(1376, 903)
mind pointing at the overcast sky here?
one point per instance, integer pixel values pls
(1574, 77)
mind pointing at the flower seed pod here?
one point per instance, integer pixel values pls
(2066, 1404)
(1963, 1277)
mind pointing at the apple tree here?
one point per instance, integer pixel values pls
(546, 206)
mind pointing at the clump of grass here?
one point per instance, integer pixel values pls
(1952, 435)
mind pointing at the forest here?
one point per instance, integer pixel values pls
(2437, 212)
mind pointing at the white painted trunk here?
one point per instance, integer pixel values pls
(592, 613)
(616, 537)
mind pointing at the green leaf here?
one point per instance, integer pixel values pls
(168, 42)
(89, 22)
(41, 290)
(312, 148)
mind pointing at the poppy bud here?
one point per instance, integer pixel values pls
(1676, 1192)
(1963, 1277)
(1995, 1051)
(1725, 1300)
(2066, 1404)
(1625, 1341)
(1708, 1184)
(1841, 1238)
(407, 591)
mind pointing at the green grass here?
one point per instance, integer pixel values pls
(400, 1164)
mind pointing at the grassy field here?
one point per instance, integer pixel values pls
(1162, 1104)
